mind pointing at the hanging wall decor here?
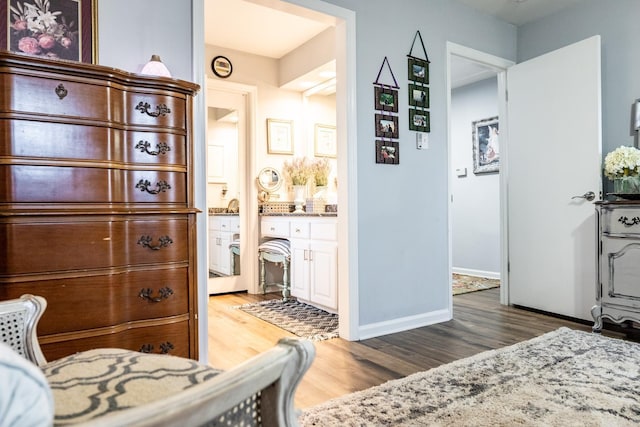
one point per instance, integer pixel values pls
(418, 75)
(386, 119)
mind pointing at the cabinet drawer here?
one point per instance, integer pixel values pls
(58, 97)
(155, 110)
(170, 338)
(87, 302)
(621, 220)
(300, 229)
(58, 245)
(324, 230)
(61, 184)
(274, 228)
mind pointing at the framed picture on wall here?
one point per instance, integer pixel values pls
(386, 126)
(279, 136)
(388, 152)
(419, 120)
(386, 99)
(486, 145)
(418, 70)
(325, 141)
(418, 95)
(62, 29)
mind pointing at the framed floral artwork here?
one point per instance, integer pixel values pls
(279, 136)
(57, 29)
(388, 152)
(486, 147)
(325, 141)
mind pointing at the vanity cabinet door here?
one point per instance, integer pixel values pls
(619, 267)
(300, 268)
(323, 273)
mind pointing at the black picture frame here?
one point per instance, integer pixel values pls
(73, 37)
(387, 152)
(386, 99)
(418, 95)
(221, 66)
(386, 126)
(419, 120)
(418, 70)
(486, 146)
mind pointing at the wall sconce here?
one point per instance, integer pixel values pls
(155, 67)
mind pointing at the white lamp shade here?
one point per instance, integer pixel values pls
(155, 67)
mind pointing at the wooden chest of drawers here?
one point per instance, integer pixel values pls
(96, 205)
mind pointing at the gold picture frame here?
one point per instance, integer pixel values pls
(279, 136)
(325, 144)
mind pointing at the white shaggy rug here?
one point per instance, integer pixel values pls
(562, 378)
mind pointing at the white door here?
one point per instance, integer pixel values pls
(554, 153)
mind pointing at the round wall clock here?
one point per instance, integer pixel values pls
(221, 66)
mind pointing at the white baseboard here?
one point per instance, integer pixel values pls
(403, 324)
(476, 273)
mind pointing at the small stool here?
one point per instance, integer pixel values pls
(276, 250)
(234, 249)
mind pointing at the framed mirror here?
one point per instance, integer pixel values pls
(269, 180)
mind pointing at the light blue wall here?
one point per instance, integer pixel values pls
(475, 211)
(403, 242)
(616, 21)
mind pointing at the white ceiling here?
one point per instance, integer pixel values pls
(273, 28)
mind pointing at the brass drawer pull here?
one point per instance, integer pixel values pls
(161, 148)
(161, 110)
(625, 221)
(161, 186)
(145, 241)
(163, 294)
(61, 91)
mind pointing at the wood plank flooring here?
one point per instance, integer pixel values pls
(480, 323)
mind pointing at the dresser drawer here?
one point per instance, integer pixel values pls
(621, 220)
(52, 96)
(63, 184)
(168, 338)
(154, 148)
(271, 227)
(139, 295)
(57, 245)
(155, 110)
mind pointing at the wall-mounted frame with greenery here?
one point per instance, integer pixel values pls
(388, 152)
(386, 99)
(279, 136)
(63, 29)
(325, 141)
(419, 120)
(386, 126)
(418, 95)
(486, 147)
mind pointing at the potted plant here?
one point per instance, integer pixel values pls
(298, 171)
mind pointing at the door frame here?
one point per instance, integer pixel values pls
(500, 65)
(247, 162)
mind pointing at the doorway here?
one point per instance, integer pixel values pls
(475, 104)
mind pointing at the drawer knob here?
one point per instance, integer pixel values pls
(629, 222)
(61, 91)
(163, 293)
(145, 108)
(161, 186)
(164, 241)
(161, 148)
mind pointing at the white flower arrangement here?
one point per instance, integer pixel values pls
(621, 162)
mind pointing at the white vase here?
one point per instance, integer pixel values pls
(298, 197)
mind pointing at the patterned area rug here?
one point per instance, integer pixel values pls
(298, 318)
(463, 284)
(563, 378)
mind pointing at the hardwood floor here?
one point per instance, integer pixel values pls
(480, 323)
